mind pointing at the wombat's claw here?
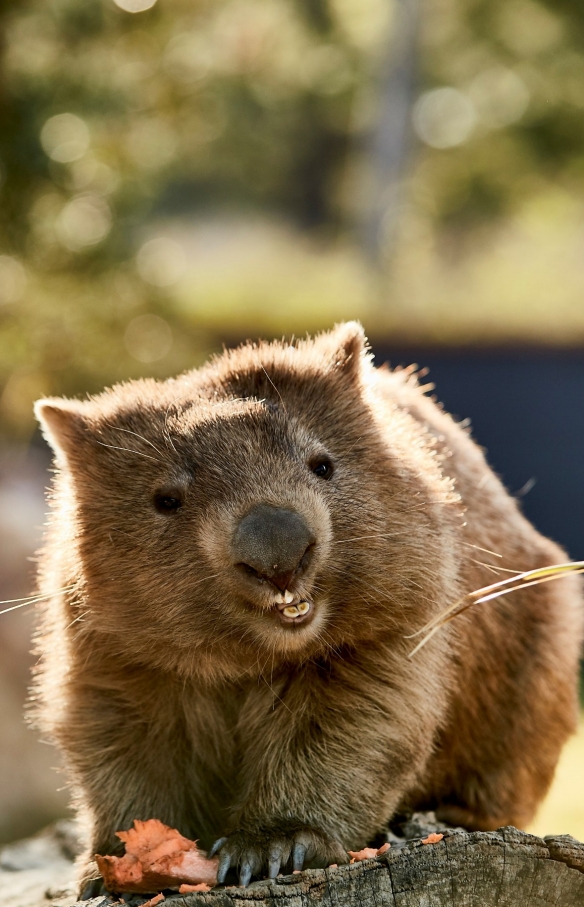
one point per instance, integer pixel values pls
(247, 868)
(278, 855)
(224, 864)
(249, 863)
(298, 855)
(216, 847)
(274, 849)
(94, 888)
(245, 875)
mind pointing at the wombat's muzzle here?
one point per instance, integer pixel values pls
(273, 544)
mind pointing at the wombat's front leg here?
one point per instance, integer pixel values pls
(324, 766)
(127, 763)
(142, 790)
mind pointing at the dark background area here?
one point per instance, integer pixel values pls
(525, 408)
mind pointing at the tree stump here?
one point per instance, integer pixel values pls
(506, 868)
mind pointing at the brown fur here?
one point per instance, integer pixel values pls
(172, 692)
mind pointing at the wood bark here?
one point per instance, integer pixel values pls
(506, 868)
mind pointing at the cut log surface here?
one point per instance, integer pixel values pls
(505, 868)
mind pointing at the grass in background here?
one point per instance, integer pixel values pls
(562, 812)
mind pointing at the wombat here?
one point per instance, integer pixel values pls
(233, 560)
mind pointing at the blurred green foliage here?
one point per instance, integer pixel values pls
(543, 45)
(111, 120)
(198, 169)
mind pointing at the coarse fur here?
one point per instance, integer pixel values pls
(170, 684)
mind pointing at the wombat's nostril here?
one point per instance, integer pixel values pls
(273, 544)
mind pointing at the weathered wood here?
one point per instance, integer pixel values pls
(506, 868)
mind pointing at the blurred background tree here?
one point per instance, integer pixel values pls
(169, 171)
(120, 132)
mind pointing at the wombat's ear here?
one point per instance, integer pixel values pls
(348, 347)
(63, 425)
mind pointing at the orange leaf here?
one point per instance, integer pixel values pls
(432, 838)
(366, 854)
(153, 901)
(156, 857)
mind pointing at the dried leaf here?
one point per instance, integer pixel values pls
(366, 854)
(153, 901)
(156, 857)
(433, 838)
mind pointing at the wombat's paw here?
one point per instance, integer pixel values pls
(268, 849)
(90, 882)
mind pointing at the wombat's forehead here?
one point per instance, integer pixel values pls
(227, 411)
(198, 423)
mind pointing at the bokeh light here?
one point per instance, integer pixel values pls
(444, 117)
(84, 221)
(135, 6)
(500, 97)
(12, 280)
(187, 58)
(148, 338)
(161, 261)
(151, 143)
(65, 137)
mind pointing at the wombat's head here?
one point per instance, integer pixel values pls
(243, 511)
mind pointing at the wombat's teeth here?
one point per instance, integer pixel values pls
(279, 598)
(296, 610)
(288, 597)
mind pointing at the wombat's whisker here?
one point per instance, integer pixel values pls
(495, 569)
(79, 619)
(373, 535)
(32, 599)
(129, 450)
(274, 694)
(381, 588)
(168, 439)
(165, 432)
(276, 389)
(495, 590)
(478, 548)
(331, 645)
(142, 438)
(424, 504)
(349, 449)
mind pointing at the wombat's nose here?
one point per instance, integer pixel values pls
(273, 544)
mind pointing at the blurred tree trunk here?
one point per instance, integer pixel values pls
(390, 142)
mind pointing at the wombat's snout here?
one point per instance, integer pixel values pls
(273, 544)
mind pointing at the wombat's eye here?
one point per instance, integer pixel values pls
(323, 468)
(167, 503)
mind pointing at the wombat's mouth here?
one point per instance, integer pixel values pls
(293, 611)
